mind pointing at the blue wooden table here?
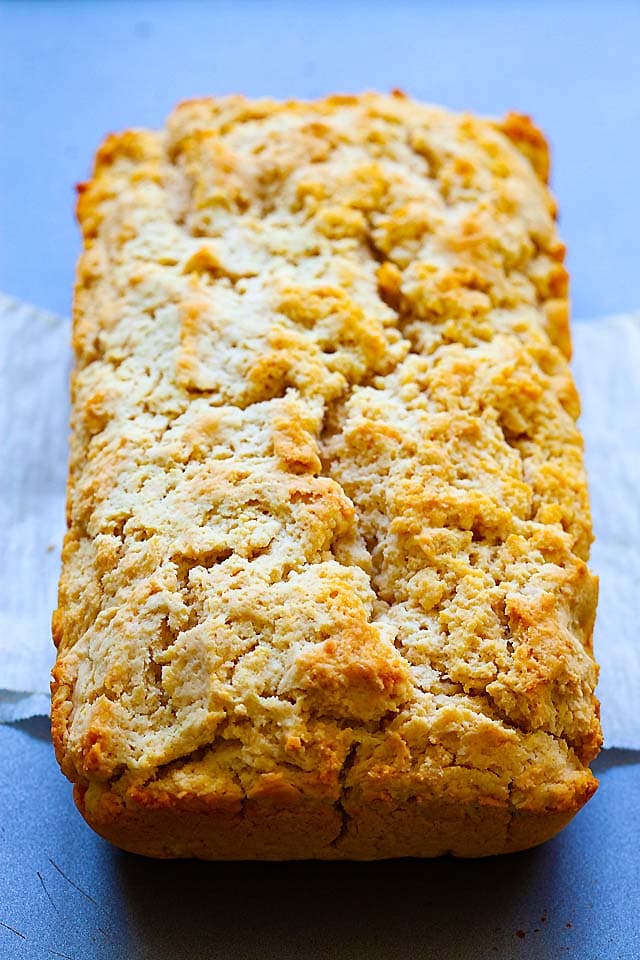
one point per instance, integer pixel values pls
(70, 72)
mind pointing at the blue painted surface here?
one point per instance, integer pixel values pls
(63, 889)
(69, 72)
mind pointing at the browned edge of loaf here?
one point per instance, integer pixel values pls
(272, 827)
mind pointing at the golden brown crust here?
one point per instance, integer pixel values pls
(530, 140)
(228, 826)
(324, 590)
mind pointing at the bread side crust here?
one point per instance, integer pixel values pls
(328, 520)
(218, 829)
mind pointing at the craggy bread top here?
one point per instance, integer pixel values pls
(327, 508)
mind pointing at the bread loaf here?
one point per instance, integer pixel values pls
(324, 590)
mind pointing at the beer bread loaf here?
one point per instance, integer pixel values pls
(324, 589)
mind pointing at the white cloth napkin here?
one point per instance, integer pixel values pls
(34, 414)
(34, 371)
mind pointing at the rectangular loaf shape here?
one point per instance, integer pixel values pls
(324, 589)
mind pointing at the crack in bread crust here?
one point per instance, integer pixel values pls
(328, 519)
